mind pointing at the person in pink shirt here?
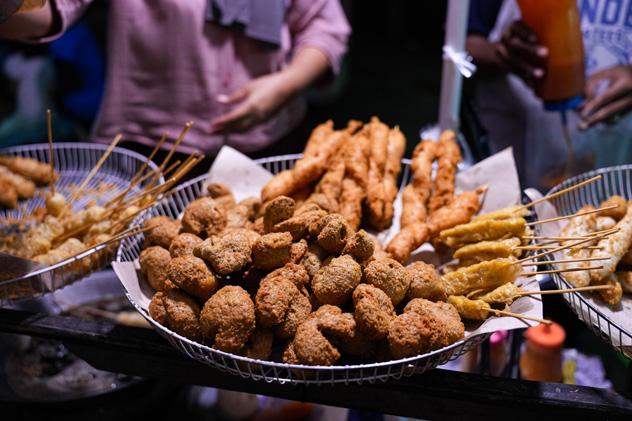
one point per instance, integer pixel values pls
(235, 68)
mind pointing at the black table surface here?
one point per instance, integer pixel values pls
(436, 394)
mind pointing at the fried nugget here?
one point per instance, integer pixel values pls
(183, 244)
(298, 310)
(229, 252)
(182, 314)
(298, 225)
(334, 233)
(204, 217)
(277, 210)
(254, 206)
(389, 276)
(292, 272)
(335, 281)
(272, 250)
(153, 264)
(216, 190)
(157, 308)
(409, 239)
(425, 282)
(297, 251)
(238, 217)
(360, 245)
(193, 276)
(452, 327)
(161, 230)
(374, 311)
(228, 319)
(313, 259)
(259, 346)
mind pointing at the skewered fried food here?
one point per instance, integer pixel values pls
(448, 157)
(55, 204)
(612, 295)
(481, 276)
(376, 196)
(193, 276)
(373, 312)
(179, 312)
(615, 213)
(625, 280)
(272, 250)
(458, 211)
(203, 217)
(613, 247)
(470, 309)
(8, 194)
(228, 319)
(487, 250)
(30, 168)
(335, 281)
(517, 211)
(408, 240)
(416, 194)
(578, 227)
(68, 248)
(183, 244)
(392, 168)
(360, 245)
(334, 232)
(389, 276)
(24, 187)
(161, 231)
(278, 209)
(485, 230)
(38, 239)
(228, 252)
(604, 223)
(504, 294)
(153, 264)
(425, 282)
(356, 158)
(627, 258)
(259, 345)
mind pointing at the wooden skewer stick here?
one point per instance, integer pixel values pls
(549, 247)
(519, 316)
(49, 126)
(554, 239)
(561, 192)
(563, 291)
(96, 168)
(583, 259)
(179, 139)
(544, 272)
(567, 246)
(559, 218)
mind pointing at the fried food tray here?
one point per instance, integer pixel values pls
(73, 161)
(615, 181)
(173, 205)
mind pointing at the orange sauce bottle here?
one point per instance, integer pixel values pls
(556, 23)
(541, 358)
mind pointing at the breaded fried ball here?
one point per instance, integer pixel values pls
(227, 253)
(298, 225)
(425, 282)
(182, 314)
(257, 226)
(294, 273)
(452, 326)
(297, 251)
(259, 346)
(313, 259)
(335, 281)
(273, 300)
(162, 230)
(360, 245)
(157, 309)
(228, 319)
(184, 244)
(298, 310)
(373, 311)
(389, 276)
(254, 207)
(192, 275)
(615, 213)
(334, 233)
(238, 217)
(216, 190)
(272, 250)
(278, 209)
(289, 354)
(153, 264)
(203, 217)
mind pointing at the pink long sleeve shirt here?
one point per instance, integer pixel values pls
(167, 65)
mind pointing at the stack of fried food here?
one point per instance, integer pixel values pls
(290, 281)
(615, 250)
(19, 177)
(430, 206)
(352, 171)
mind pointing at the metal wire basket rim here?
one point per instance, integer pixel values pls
(590, 174)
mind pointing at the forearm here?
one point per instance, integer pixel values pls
(308, 65)
(484, 55)
(29, 25)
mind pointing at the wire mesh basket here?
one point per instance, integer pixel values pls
(73, 161)
(615, 181)
(173, 205)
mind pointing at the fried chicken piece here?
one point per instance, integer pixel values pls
(298, 225)
(374, 311)
(334, 233)
(376, 197)
(259, 346)
(216, 190)
(613, 248)
(257, 226)
(360, 245)
(356, 155)
(24, 187)
(229, 252)
(297, 251)
(416, 194)
(157, 309)
(162, 230)
(330, 185)
(448, 157)
(238, 217)
(298, 310)
(8, 194)
(228, 319)
(277, 210)
(183, 244)
(153, 264)
(204, 217)
(615, 213)
(335, 281)
(613, 295)
(272, 250)
(603, 223)
(389, 276)
(254, 206)
(459, 211)
(193, 276)
(423, 327)
(409, 239)
(289, 354)
(294, 273)
(425, 282)
(395, 151)
(182, 314)
(625, 280)
(30, 168)
(313, 259)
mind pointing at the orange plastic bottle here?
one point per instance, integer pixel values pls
(541, 359)
(556, 23)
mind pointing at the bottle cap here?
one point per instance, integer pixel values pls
(566, 104)
(546, 336)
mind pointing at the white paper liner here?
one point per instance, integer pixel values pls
(498, 173)
(620, 315)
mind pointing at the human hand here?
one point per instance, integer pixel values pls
(604, 104)
(258, 100)
(519, 52)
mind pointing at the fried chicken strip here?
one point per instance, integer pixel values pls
(392, 168)
(613, 247)
(408, 240)
(24, 187)
(354, 184)
(416, 194)
(481, 276)
(578, 227)
(376, 196)
(448, 157)
(30, 168)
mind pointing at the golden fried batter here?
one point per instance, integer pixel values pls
(193, 276)
(360, 245)
(272, 250)
(409, 239)
(229, 252)
(392, 168)
(153, 264)
(298, 225)
(425, 282)
(376, 197)
(313, 259)
(161, 231)
(259, 346)
(334, 233)
(182, 314)
(277, 210)
(228, 319)
(157, 309)
(335, 281)
(448, 157)
(373, 311)
(389, 276)
(615, 213)
(459, 211)
(183, 244)
(203, 217)
(416, 194)
(297, 251)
